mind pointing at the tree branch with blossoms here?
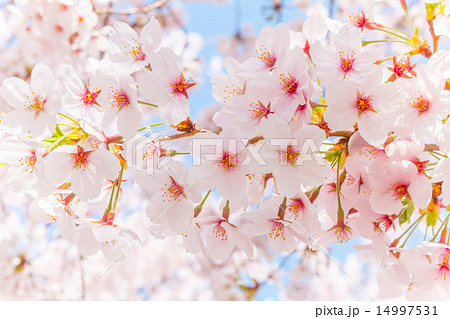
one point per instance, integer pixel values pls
(328, 132)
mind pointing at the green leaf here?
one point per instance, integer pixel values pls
(58, 131)
(406, 212)
(431, 218)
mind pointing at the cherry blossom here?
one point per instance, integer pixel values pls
(329, 126)
(85, 169)
(80, 100)
(391, 183)
(167, 87)
(293, 156)
(24, 162)
(119, 99)
(367, 104)
(130, 52)
(176, 191)
(221, 238)
(346, 59)
(34, 105)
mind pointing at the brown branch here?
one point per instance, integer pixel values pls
(431, 147)
(341, 133)
(146, 9)
(181, 135)
(433, 35)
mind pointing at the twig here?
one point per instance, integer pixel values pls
(148, 8)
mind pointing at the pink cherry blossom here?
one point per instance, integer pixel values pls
(34, 105)
(167, 87)
(86, 170)
(346, 59)
(176, 191)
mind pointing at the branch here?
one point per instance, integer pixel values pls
(146, 9)
(431, 147)
(428, 147)
(181, 135)
(341, 133)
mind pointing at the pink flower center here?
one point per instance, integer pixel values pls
(220, 232)
(29, 162)
(383, 224)
(421, 104)
(342, 235)
(172, 191)
(347, 61)
(36, 104)
(112, 242)
(443, 272)
(421, 165)
(288, 83)
(358, 20)
(296, 206)
(148, 150)
(89, 97)
(398, 190)
(135, 50)
(228, 161)
(402, 65)
(291, 155)
(258, 110)
(364, 103)
(80, 159)
(264, 55)
(277, 231)
(370, 152)
(181, 85)
(119, 99)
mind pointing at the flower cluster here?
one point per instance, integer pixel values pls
(322, 135)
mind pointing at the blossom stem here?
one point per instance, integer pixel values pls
(60, 140)
(384, 60)
(181, 153)
(412, 231)
(442, 225)
(118, 188)
(397, 30)
(408, 17)
(341, 213)
(417, 221)
(112, 195)
(70, 118)
(282, 209)
(199, 207)
(384, 41)
(448, 238)
(68, 125)
(438, 154)
(392, 33)
(73, 120)
(226, 211)
(146, 103)
(151, 125)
